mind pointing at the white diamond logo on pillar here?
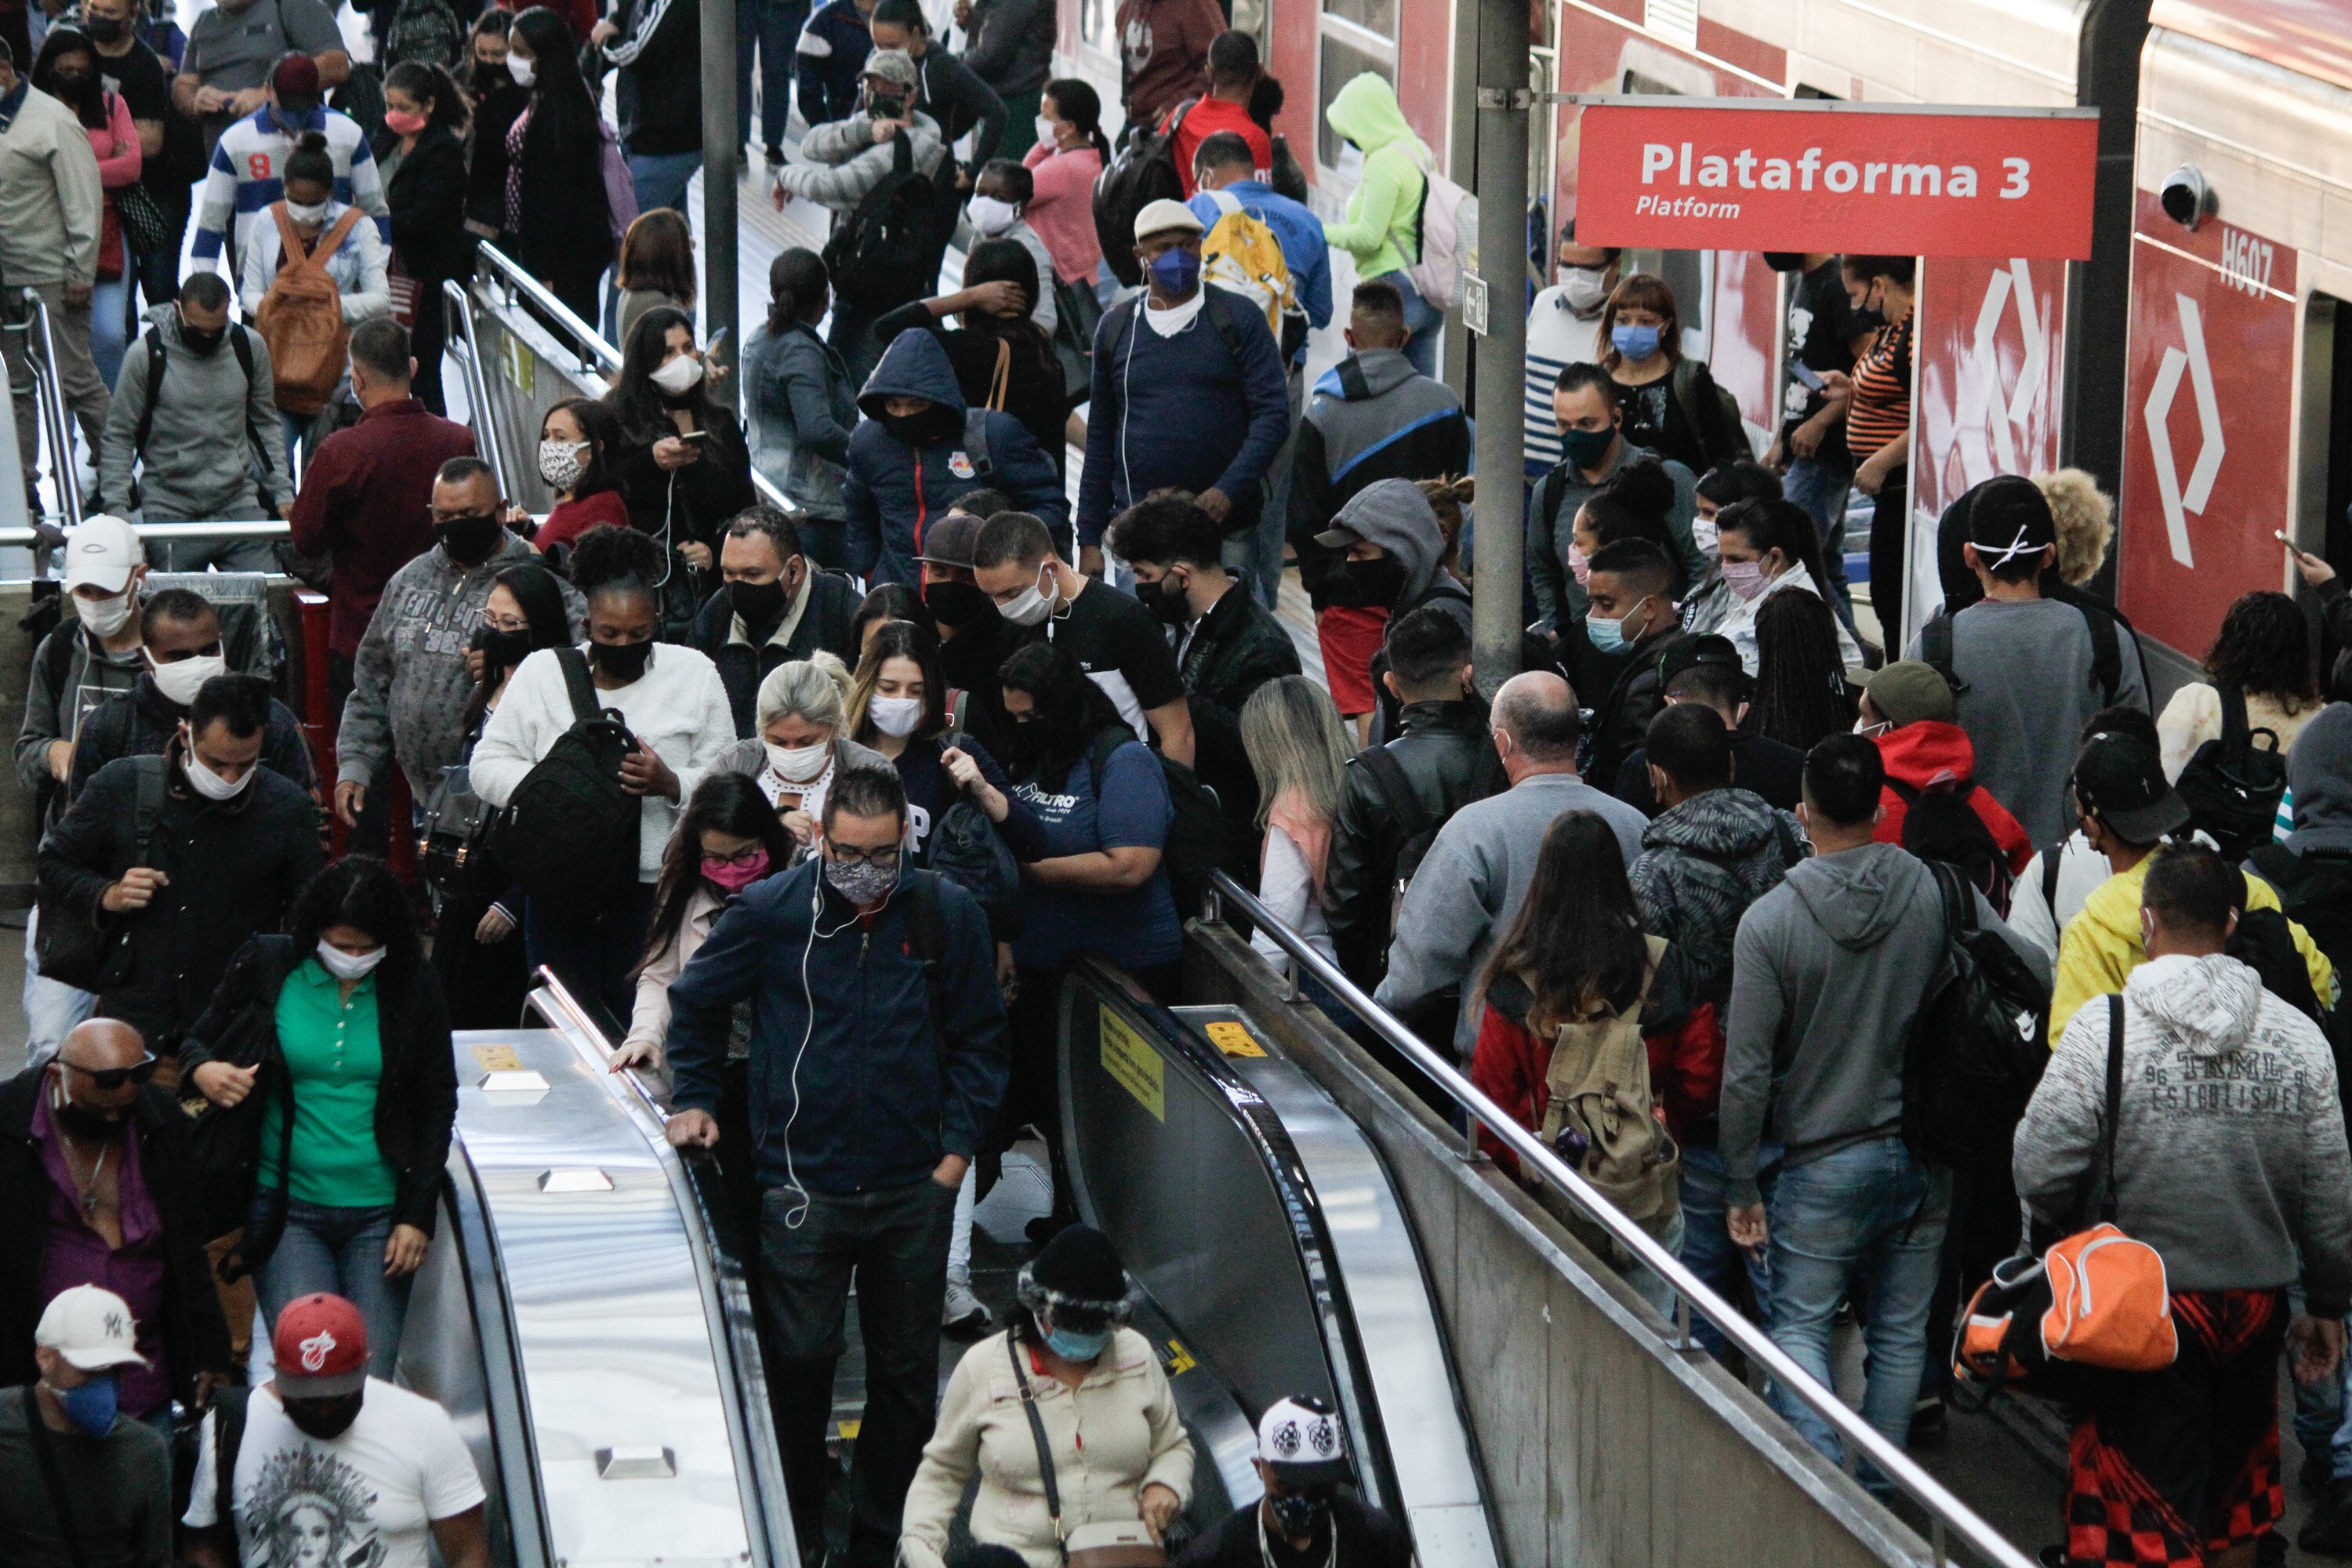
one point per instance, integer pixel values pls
(2179, 502)
(2016, 283)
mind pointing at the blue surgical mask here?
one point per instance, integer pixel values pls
(1633, 343)
(1177, 272)
(90, 1407)
(1609, 636)
(1071, 1345)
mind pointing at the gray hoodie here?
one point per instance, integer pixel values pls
(2230, 1153)
(2319, 772)
(1395, 515)
(198, 465)
(1827, 972)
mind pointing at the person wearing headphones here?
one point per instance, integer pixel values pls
(877, 1061)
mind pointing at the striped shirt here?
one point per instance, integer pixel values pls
(1556, 337)
(249, 173)
(1881, 409)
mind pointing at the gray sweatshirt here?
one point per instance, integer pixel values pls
(72, 674)
(1827, 972)
(2230, 1154)
(1472, 882)
(198, 465)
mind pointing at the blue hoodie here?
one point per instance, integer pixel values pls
(831, 52)
(893, 490)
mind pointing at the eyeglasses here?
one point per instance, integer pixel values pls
(851, 855)
(743, 857)
(112, 1078)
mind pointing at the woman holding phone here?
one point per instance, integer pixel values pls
(681, 459)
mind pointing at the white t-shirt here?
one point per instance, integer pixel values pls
(368, 1497)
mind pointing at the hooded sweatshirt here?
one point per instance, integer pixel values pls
(2319, 777)
(1828, 970)
(1383, 231)
(1372, 417)
(201, 450)
(840, 161)
(1395, 515)
(1931, 754)
(2229, 1152)
(894, 490)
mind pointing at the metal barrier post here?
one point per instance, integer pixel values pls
(319, 721)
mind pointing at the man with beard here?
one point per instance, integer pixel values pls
(775, 605)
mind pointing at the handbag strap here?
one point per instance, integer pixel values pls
(45, 1451)
(2106, 1192)
(1000, 385)
(1037, 1434)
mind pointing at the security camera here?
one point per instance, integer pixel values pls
(2188, 199)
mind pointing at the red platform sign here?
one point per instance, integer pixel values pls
(1805, 175)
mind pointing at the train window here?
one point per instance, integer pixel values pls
(1690, 273)
(1349, 48)
(1098, 25)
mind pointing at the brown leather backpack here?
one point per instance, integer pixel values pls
(301, 318)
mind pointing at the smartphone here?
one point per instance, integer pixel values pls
(718, 339)
(1806, 376)
(695, 436)
(2280, 534)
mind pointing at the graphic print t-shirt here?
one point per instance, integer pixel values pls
(366, 1499)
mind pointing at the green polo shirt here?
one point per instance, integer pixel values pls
(335, 1056)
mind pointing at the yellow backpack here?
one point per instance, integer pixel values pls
(1240, 253)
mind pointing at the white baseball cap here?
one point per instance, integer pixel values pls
(1300, 1438)
(1160, 217)
(91, 1328)
(102, 552)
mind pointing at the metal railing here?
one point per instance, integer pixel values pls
(456, 302)
(50, 404)
(1948, 1518)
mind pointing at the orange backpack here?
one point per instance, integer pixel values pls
(301, 318)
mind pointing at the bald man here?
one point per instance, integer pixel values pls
(1476, 872)
(104, 1192)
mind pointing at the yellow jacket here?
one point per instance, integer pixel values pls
(2101, 945)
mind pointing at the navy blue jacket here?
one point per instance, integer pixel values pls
(831, 52)
(876, 1110)
(893, 490)
(1192, 414)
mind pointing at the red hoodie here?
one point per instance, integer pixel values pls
(1931, 754)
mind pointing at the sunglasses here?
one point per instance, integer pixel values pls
(115, 1078)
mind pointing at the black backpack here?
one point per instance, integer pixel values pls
(1144, 171)
(1433, 1015)
(570, 834)
(1939, 825)
(2233, 787)
(876, 256)
(2107, 651)
(2315, 888)
(1199, 841)
(425, 31)
(1976, 1048)
(966, 849)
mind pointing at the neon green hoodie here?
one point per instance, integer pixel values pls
(1383, 231)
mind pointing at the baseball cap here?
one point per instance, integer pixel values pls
(91, 1328)
(1300, 1438)
(1686, 654)
(1160, 217)
(950, 541)
(2008, 516)
(2119, 779)
(321, 1348)
(296, 81)
(102, 552)
(1910, 692)
(894, 66)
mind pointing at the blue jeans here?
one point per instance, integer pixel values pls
(1822, 491)
(1706, 1249)
(661, 177)
(339, 1251)
(1866, 1222)
(109, 320)
(1421, 319)
(774, 29)
(1264, 576)
(51, 1006)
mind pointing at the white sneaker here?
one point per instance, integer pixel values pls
(963, 1315)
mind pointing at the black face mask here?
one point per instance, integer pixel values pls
(325, 1419)
(85, 1124)
(488, 77)
(922, 430)
(204, 345)
(886, 106)
(1166, 600)
(957, 604)
(1378, 583)
(623, 661)
(500, 651)
(104, 29)
(759, 604)
(1785, 261)
(469, 539)
(1299, 1514)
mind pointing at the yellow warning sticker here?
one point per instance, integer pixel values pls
(1176, 1361)
(497, 1058)
(849, 1429)
(1234, 1040)
(1129, 1059)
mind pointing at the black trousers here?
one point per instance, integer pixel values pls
(1890, 547)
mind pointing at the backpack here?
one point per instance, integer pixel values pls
(425, 31)
(1448, 217)
(877, 255)
(1598, 1117)
(1286, 177)
(1939, 825)
(2232, 785)
(1975, 1049)
(570, 834)
(966, 849)
(2315, 888)
(72, 946)
(1144, 171)
(1433, 1017)
(240, 342)
(1199, 841)
(301, 318)
(2107, 651)
(1722, 430)
(1240, 253)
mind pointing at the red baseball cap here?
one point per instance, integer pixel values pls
(296, 78)
(320, 1347)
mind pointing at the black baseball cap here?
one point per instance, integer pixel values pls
(2119, 779)
(1691, 653)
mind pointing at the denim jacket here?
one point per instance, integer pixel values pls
(802, 410)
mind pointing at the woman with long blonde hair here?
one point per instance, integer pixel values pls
(1299, 750)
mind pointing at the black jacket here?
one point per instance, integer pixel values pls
(1237, 647)
(234, 866)
(416, 1098)
(195, 1336)
(486, 155)
(1449, 759)
(426, 197)
(1621, 713)
(695, 502)
(560, 185)
(827, 624)
(1013, 44)
(141, 722)
(1760, 764)
(950, 94)
(659, 52)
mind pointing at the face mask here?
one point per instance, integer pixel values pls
(957, 604)
(501, 650)
(210, 785)
(1583, 290)
(1177, 272)
(1634, 343)
(896, 715)
(1870, 732)
(104, 29)
(679, 376)
(1746, 578)
(1580, 565)
(491, 75)
(179, 680)
(1378, 583)
(863, 883)
(202, 344)
(623, 661)
(561, 463)
(929, 427)
(325, 1419)
(759, 603)
(468, 540)
(348, 965)
(1785, 261)
(1703, 536)
(1609, 636)
(734, 876)
(524, 71)
(1297, 1514)
(1072, 1345)
(990, 216)
(104, 618)
(1166, 600)
(89, 1125)
(886, 106)
(800, 764)
(1049, 131)
(1035, 602)
(303, 213)
(401, 122)
(90, 1407)
(1585, 448)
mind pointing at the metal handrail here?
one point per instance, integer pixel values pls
(169, 531)
(1944, 1511)
(477, 381)
(49, 403)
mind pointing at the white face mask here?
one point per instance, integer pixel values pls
(991, 217)
(679, 376)
(524, 71)
(561, 463)
(896, 715)
(205, 781)
(179, 680)
(1035, 602)
(1583, 289)
(348, 965)
(1703, 536)
(306, 213)
(1048, 130)
(800, 764)
(104, 618)
(1870, 732)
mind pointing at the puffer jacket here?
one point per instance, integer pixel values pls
(1372, 416)
(2229, 1152)
(1448, 760)
(1383, 231)
(894, 490)
(1932, 755)
(802, 408)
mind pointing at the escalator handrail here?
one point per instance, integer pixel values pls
(455, 300)
(1946, 1512)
